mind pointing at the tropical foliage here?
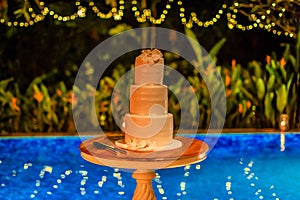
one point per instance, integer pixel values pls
(256, 95)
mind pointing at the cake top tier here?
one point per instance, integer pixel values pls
(149, 67)
(149, 56)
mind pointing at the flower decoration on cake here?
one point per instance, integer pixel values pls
(150, 56)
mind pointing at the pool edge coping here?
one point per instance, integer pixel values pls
(185, 132)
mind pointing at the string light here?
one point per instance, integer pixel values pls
(114, 12)
(144, 15)
(259, 22)
(147, 14)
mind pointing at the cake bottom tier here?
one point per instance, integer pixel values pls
(142, 131)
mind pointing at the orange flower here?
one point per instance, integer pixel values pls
(116, 97)
(209, 69)
(103, 106)
(38, 96)
(240, 108)
(228, 92)
(282, 62)
(248, 104)
(233, 63)
(71, 98)
(227, 80)
(268, 59)
(192, 89)
(14, 104)
(58, 92)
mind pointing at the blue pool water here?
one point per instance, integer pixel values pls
(240, 166)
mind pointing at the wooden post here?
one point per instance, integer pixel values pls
(144, 189)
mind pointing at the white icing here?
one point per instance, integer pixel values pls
(147, 126)
(149, 73)
(148, 99)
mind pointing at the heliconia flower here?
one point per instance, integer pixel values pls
(14, 104)
(103, 106)
(38, 96)
(116, 97)
(227, 80)
(192, 89)
(233, 63)
(71, 98)
(282, 62)
(209, 69)
(248, 104)
(228, 92)
(268, 59)
(58, 92)
(240, 108)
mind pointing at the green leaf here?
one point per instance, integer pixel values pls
(298, 40)
(236, 87)
(286, 52)
(177, 87)
(268, 104)
(26, 16)
(44, 91)
(270, 70)
(46, 105)
(205, 93)
(62, 87)
(4, 83)
(256, 8)
(54, 118)
(271, 83)
(293, 61)
(283, 72)
(236, 73)
(119, 28)
(289, 82)
(217, 47)
(195, 45)
(281, 99)
(194, 107)
(269, 111)
(248, 80)
(273, 64)
(35, 88)
(291, 103)
(109, 81)
(260, 86)
(18, 12)
(257, 69)
(248, 95)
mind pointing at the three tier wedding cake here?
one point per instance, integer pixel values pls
(148, 125)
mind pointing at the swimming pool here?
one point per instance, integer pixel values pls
(240, 166)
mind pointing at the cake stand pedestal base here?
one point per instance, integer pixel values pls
(144, 189)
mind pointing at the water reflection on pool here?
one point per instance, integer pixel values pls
(240, 166)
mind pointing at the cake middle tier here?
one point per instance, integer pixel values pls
(148, 99)
(142, 128)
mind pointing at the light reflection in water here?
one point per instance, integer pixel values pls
(282, 141)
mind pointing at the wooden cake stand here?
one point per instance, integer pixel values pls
(144, 163)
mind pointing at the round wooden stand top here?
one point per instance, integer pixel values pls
(191, 151)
